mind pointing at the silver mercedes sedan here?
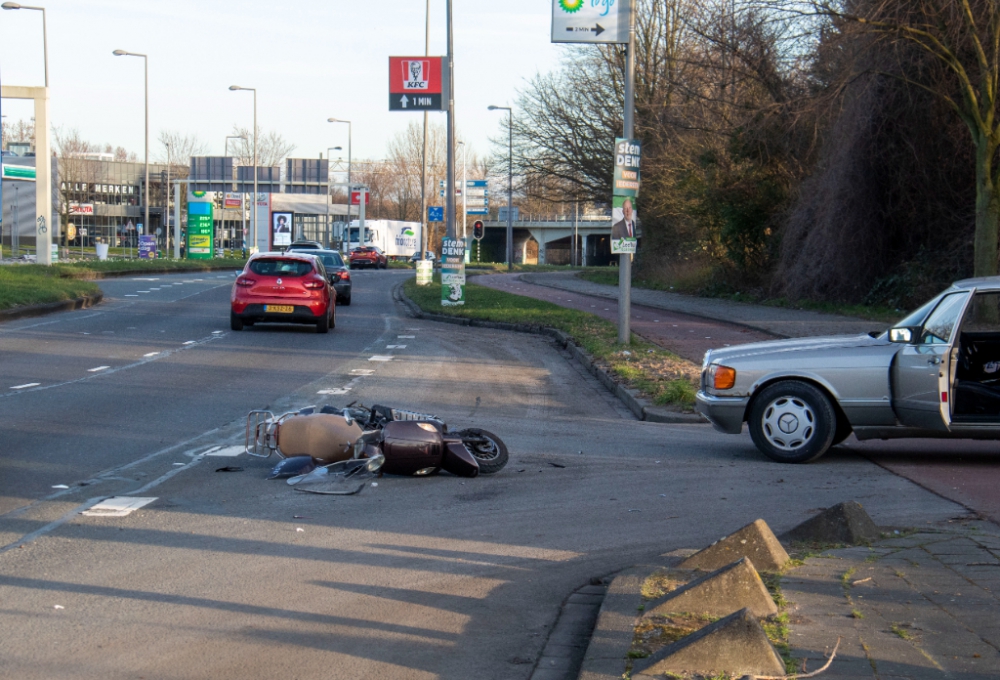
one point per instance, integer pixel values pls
(936, 373)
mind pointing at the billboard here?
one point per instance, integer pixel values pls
(201, 226)
(281, 229)
(590, 21)
(232, 201)
(418, 84)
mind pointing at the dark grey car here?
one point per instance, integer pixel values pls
(936, 373)
(338, 272)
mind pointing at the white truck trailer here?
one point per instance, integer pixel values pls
(394, 238)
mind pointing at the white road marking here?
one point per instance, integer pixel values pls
(145, 279)
(405, 337)
(395, 346)
(25, 386)
(154, 289)
(214, 448)
(98, 368)
(118, 506)
(130, 295)
(217, 332)
(150, 354)
(362, 371)
(335, 390)
(59, 486)
(380, 357)
(228, 452)
(190, 342)
(143, 291)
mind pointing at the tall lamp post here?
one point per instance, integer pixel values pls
(236, 88)
(510, 182)
(361, 237)
(45, 38)
(329, 190)
(243, 212)
(145, 66)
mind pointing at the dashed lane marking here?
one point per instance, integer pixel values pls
(25, 386)
(131, 295)
(406, 337)
(395, 346)
(190, 342)
(380, 357)
(228, 452)
(335, 390)
(362, 371)
(97, 368)
(150, 354)
(118, 506)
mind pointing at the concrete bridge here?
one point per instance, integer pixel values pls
(548, 239)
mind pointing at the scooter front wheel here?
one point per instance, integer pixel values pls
(487, 448)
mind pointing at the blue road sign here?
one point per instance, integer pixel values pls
(476, 183)
(435, 213)
(477, 211)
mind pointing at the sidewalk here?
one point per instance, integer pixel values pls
(777, 321)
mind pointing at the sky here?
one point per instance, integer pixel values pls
(310, 60)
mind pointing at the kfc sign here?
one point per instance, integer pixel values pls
(417, 83)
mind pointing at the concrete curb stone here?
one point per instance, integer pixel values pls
(83, 302)
(641, 408)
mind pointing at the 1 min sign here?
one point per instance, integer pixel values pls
(417, 84)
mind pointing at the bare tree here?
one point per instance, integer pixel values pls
(178, 147)
(272, 148)
(962, 37)
(19, 131)
(77, 172)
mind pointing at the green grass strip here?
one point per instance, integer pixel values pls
(659, 375)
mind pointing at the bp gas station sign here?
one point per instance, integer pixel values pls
(201, 226)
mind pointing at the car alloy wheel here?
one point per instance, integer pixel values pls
(792, 422)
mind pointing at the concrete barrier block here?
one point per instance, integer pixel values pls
(731, 588)
(755, 540)
(843, 523)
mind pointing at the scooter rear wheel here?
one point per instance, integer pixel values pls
(487, 448)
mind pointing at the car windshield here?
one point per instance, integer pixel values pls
(916, 317)
(277, 267)
(331, 259)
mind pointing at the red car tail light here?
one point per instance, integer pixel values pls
(344, 276)
(245, 282)
(314, 284)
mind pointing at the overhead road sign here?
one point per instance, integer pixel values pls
(590, 21)
(418, 84)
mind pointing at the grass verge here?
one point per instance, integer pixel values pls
(609, 277)
(659, 375)
(33, 284)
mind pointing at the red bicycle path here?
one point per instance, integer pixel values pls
(964, 471)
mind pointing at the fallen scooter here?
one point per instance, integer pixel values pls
(391, 441)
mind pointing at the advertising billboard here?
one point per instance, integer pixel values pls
(281, 229)
(201, 226)
(417, 84)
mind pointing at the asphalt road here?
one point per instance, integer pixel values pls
(229, 575)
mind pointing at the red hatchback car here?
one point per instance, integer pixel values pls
(290, 287)
(369, 256)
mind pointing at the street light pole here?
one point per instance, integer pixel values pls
(236, 88)
(45, 33)
(243, 211)
(329, 192)
(625, 259)
(361, 236)
(145, 66)
(166, 206)
(510, 183)
(450, 174)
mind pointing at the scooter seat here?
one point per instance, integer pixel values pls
(326, 437)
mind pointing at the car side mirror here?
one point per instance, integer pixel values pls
(904, 334)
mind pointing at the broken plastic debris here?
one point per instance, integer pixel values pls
(299, 529)
(58, 606)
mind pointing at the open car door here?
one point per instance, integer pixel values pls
(922, 371)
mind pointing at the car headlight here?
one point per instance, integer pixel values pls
(707, 360)
(722, 377)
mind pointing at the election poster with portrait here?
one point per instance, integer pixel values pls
(624, 225)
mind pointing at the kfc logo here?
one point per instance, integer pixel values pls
(416, 74)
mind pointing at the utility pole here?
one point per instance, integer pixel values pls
(423, 157)
(450, 178)
(625, 259)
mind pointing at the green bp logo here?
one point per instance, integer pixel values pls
(571, 5)
(408, 232)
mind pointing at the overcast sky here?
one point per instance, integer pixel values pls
(309, 60)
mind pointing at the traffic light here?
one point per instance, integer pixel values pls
(478, 229)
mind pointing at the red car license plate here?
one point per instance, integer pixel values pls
(281, 309)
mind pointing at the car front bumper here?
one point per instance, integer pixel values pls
(725, 413)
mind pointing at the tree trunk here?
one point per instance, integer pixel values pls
(987, 212)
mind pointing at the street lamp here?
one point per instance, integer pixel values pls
(145, 66)
(45, 39)
(236, 88)
(361, 237)
(510, 182)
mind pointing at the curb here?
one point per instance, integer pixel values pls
(51, 307)
(641, 408)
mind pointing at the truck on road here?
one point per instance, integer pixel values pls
(396, 239)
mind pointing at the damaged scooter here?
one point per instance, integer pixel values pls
(357, 440)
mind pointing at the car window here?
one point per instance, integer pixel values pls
(983, 315)
(275, 267)
(332, 260)
(916, 317)
(941, 323)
